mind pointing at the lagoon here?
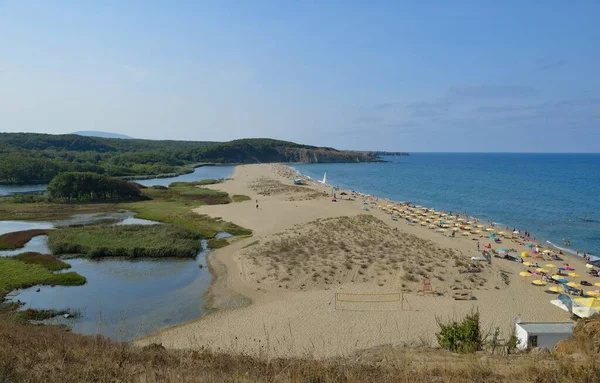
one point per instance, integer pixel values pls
(123, 298)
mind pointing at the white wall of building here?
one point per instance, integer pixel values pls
(543, 340)
(522, 335)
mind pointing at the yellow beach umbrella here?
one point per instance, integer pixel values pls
(542, 270)
(539, 282)
(460, 220)
(554, 289)
(525, 274)
(592, 293)
(465, 233)
(574, 275)
(546, 251)
(551, 265)
(589, 267)
(480, 226)
(574, 285)
(524, 254)
(489, 229)
(528, 264)
(597, 284)
(501, 233)
(557, 277)
(431, 226)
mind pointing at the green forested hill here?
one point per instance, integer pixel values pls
(32, 157)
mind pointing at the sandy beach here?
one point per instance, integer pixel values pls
(323, 278)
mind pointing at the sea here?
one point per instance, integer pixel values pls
(556, 197)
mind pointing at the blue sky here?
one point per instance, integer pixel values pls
(415, 76)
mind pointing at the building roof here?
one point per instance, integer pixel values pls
(547, 327)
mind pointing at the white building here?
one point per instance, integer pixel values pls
(541, 334)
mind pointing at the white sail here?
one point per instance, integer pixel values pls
(324, 181)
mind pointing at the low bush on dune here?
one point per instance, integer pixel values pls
(464, 336)
(126, 241)
(239, 198)
(18, 239)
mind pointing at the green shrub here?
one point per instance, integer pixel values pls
(154, 241)
(462, 337)
(239, 198)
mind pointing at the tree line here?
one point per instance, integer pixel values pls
(27, 158)
(88, 186)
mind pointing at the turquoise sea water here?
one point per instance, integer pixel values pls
(555, 196)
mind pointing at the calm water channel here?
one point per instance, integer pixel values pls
(201, 173)
(123, 298)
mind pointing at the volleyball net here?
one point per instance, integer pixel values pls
(370, 302)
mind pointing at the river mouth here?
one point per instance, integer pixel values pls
(123, 298)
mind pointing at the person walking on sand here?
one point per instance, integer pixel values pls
(477, 245)
(256, 204)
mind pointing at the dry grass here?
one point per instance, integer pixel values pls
(329, 252)
(49, 354)
(18, 239)
(269, 186)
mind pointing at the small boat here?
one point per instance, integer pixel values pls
(324, 180)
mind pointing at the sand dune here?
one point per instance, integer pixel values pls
(306, 249)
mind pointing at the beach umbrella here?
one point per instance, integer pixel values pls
(561, 268)
(542, 270)
(432, 226)
(592, 293)
(574, 275)
(465, 233)
(574, 285)
(589, 267)
(528, 264)
(539, 282)
(503, 250)
(524, 254)
(502, 233)
(557, 277)
(525, 274)
(492, 235)
(551, 265)
(489, 229)
(554, 289)
(468, 227)
(480, 226)
(546, 251)
(529, 246)
(597, 284)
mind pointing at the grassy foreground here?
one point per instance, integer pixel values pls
(125, 241)
(48, 354)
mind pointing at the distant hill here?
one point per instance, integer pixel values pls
(93, 133)
(48, 155)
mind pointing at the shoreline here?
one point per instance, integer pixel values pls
(242, 311)
(541, 239)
